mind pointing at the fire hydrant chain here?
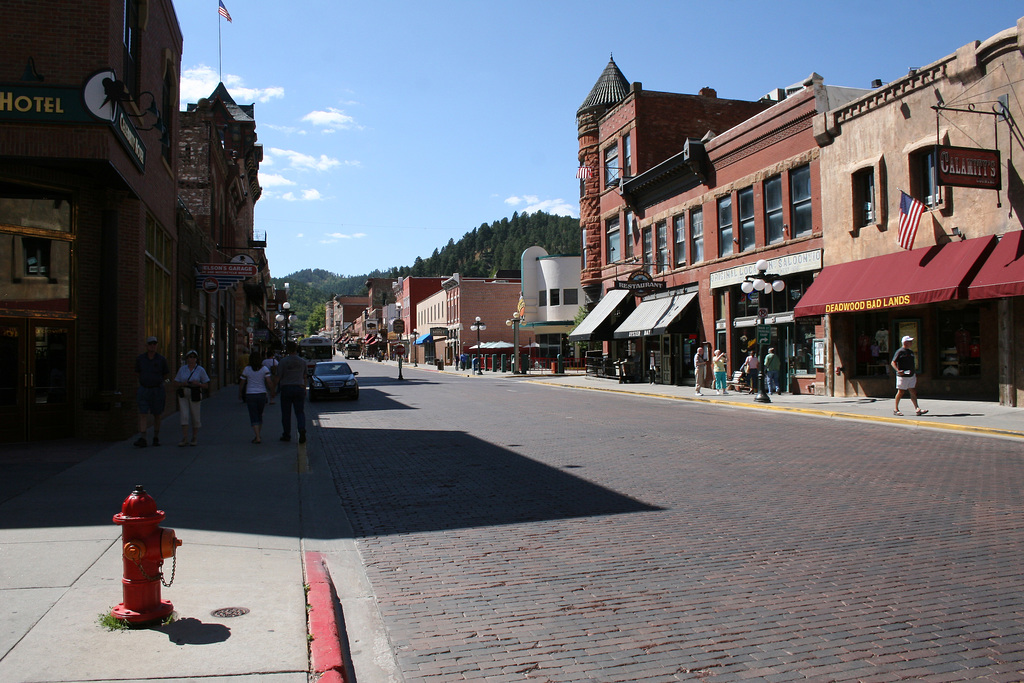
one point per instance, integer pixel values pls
(160, 575)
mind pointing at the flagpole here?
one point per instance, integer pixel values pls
(220, 52)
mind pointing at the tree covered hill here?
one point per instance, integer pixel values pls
(480, 253)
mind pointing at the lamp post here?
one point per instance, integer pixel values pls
(763, 283)
(287, 318)
(415, 354)
(514, 324)
(478, 326)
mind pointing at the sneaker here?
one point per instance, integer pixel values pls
(140, 442)
(302, 436)
(193, 443)
(182, 443)
(156, 440)
(285, 437)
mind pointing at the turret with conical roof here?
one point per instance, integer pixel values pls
(610, 89)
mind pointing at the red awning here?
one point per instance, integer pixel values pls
(907, 278)
(1002, 274)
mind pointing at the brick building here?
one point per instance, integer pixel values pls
(959, 291)
(219, 159)
(88, 126)
(672, 234)
(492, 299)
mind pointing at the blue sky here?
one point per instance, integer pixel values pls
(390, 127)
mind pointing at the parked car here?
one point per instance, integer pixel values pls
(333, 378)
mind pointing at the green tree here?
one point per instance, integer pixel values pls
(317, 319)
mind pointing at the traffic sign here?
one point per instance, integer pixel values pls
(762, 312)
(398, 326)
(764, 334)
(399, 349)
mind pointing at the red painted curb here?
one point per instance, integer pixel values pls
(325, 648)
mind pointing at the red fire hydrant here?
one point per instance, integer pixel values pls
(144, 547)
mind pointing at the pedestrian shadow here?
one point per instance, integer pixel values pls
(417, 480)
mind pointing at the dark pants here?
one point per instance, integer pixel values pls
(256, 404)
(293, 397)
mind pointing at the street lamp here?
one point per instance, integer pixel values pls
(478, 326)
(412, 343)
(766, 283)
(287, 318)
(514, 324)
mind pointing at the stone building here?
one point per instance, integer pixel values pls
(948, 135)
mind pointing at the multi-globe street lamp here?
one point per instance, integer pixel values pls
(478, 326)
(287, 318)
(763, 283)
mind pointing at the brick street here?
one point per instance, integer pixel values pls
(517, 532)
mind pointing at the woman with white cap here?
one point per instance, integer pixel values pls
(190, 381)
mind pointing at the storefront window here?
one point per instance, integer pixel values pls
(802, 357)
(35, 249)
(872, 344)
(959, 343)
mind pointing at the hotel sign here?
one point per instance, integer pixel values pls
(968, 167)
(52, 104)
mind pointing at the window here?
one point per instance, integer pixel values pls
(627, 155)
(960, 343)
(871, 341)
(661, 235)
(553, 297)
(748, 237)
(696, 235)
(611, 165)
(648, 251)
(800, 194)
(542, 298)
(571, 297)
(612, 240)
(773, 209)
(679, 237)
(627, 236)
(167, 111)
(922, 181)
(159, 255)
(131, 45)
(583, 250)
(725, 225)
(864, 197)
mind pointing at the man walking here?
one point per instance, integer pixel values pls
(151, 397)
(904, 364)
(700, 369)
(291, 385)
(772, 365)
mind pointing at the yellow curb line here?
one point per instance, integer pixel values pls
(990, 431)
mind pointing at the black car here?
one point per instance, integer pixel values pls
(333, 378)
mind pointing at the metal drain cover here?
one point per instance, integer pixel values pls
(227, 612)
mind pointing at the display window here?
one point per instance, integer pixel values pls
(871, 344)
(959, 349)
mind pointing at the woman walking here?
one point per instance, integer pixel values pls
(718, 363)
(252, 389)
(190, 381)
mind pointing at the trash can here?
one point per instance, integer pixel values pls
(440, 363)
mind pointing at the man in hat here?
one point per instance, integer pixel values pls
(151, 397)
(906, 375)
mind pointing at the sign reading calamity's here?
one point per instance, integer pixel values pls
(968, 167)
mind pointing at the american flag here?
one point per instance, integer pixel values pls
(910, 217)
(583, 172)
(222, 10)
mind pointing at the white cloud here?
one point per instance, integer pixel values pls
(332, 237)
(557, 207)
(331, 120)
(304, 196)
(274, 180)
(200, 81)
(306, 161)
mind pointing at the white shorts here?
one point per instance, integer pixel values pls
(186, 408)
(904, 383)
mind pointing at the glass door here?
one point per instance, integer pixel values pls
(35, 380)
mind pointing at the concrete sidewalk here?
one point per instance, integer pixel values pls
(980, 417)
(238, 509)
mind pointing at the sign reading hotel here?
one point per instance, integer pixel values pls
(968, 167)
(640, 281)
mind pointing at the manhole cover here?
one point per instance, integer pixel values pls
(227, 612)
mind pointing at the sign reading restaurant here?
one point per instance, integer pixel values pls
(968, 167)
(640, 281)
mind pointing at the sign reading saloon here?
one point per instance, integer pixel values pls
(968, 167)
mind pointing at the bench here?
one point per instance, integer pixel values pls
(739, 382)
